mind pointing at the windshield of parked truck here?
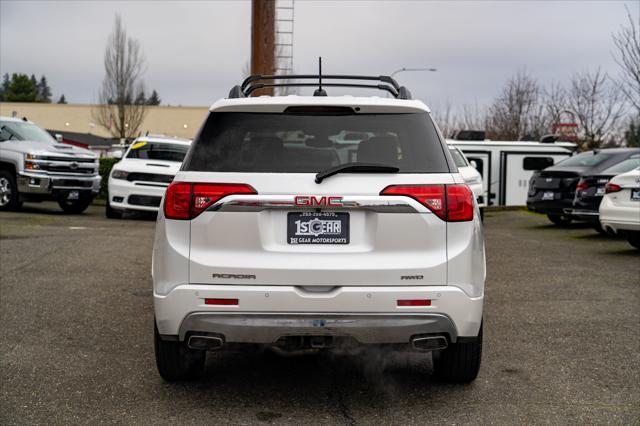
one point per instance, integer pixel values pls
(23, 131)
(158, 151)
(586, 159)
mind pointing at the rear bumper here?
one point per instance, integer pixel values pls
(618, 225)
(619, 217)
(557, 206)
(584, 215)
(368, 314)
(364, 328)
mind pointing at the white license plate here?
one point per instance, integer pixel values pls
(73, 195)
(318, 228)
(635, 194)
(600, 191)
(548, 195)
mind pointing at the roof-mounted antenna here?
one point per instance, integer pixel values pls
(319, 91)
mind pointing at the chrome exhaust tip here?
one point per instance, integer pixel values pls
(429, 343)
(205, 343)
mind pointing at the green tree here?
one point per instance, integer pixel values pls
(632, 134)
(44, 91)
(5, 86)
(154, 99)
(62, 99)
(141, 99)
(22, 89)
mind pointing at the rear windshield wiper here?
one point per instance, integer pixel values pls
(356, 168)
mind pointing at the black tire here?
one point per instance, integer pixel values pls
(560, 220)
(634, 239)
(9, 197)
(460, 362)
(112, 213)
(482, 214)
(176, 361)
(75, 206)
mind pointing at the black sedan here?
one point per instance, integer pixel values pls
(552, 190)
(590, 190)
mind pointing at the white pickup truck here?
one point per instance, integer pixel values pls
(34, 167)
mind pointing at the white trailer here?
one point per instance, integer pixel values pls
(502, 165)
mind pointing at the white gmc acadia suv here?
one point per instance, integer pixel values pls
(275, 233)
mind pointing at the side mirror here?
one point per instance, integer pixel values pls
(117, 154)
(536, 163)
(58, 137)
(474, 164)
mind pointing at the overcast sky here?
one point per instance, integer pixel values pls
(196, 50)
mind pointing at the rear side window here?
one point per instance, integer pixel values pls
(458, 158)
(313, 142)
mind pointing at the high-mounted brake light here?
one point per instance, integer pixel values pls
(185, 200)
(612, 187)
(452, 203)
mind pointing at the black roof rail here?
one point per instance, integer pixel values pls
(253, 83)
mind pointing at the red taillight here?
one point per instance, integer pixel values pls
(414, 302)
(453, 203)
(581, 186)
(225, 302)
(612, 187)
(431, 196)
(185, 200)
(459, 203)
(177, 201)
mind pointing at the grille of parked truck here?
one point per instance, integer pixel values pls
(312, 222)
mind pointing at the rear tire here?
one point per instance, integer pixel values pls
(176, 361)
(112, 213)
(560, 220)
(482, 214)
(460, 362)
(75, 206)
(634, 239)
(9, 197)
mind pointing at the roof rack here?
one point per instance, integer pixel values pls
(252, 83)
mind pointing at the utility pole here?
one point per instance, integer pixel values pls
(263, 15)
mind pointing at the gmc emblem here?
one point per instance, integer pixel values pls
(312, 201)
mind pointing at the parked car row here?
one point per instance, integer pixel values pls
(580, 186)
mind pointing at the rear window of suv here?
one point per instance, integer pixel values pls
(586, 159)
(313, 142)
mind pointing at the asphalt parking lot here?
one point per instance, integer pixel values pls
(562, 339)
